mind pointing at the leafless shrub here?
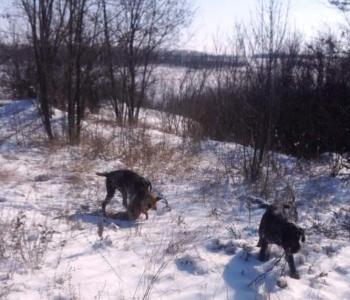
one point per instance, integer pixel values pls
(5, 290)
(175, 246)
(61, 287)
(98, 146)
(271, 177)
(336, 226)
(32, 243)
(97, 142)
(6, 175)
(172, 123)
(252, 163)
(138, 149)
(340, 222)
(25, 242)
(179, 100)
(338, 163)
(154, 266)
(323, 229)
(151, 279)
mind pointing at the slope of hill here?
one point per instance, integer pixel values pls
(54, 243)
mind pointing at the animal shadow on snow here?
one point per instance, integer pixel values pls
(120, 218)
(241, 270)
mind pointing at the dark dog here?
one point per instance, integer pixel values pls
(276, 229)
(135, 190)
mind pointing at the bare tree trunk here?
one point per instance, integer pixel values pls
(76, 104)
(39, 15)
(145, 26)
(110, 64)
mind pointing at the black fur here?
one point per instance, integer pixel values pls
(132, 186)
(276, 228)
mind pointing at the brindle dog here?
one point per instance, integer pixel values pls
(135, 190)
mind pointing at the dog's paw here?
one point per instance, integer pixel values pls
(263, 257)
(295, 275)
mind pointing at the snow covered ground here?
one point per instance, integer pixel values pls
(54, 243)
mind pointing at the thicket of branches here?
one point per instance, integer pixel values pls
(305, 112)
(273, 91)
(283, 93)
(72, 53)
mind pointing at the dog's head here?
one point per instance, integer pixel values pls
(153, 199)
(291, 237)
(290, 212)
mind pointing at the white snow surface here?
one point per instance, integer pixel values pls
(54, 243)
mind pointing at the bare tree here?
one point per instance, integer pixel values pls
(110, 26)
(265, 42)
(144, 27)
(83, 36)
(39, 17)
(16, 62)
(64, 37)
(45, 37)
(74, 44)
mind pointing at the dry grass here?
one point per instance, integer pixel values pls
(96, 146)
(159, 160)
(7, 175)
(24, 241)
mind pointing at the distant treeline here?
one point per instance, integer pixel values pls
(296, 102)
(195, 59)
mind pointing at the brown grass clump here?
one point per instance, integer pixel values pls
(7, 175)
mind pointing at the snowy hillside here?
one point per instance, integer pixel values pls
(55, 244)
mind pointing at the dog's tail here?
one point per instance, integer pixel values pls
(104, 174)
(259, 201)
(264, 205)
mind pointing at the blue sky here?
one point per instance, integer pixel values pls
(217, 18)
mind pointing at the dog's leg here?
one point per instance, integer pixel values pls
(125, 197)
(263, 255)
(133, 213)
(105, 202)
(133, 208)
(109, 196)
(293, 272)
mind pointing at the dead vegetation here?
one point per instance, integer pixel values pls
(24, 242)
(6, 175)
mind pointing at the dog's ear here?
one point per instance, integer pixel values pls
(147, 184)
